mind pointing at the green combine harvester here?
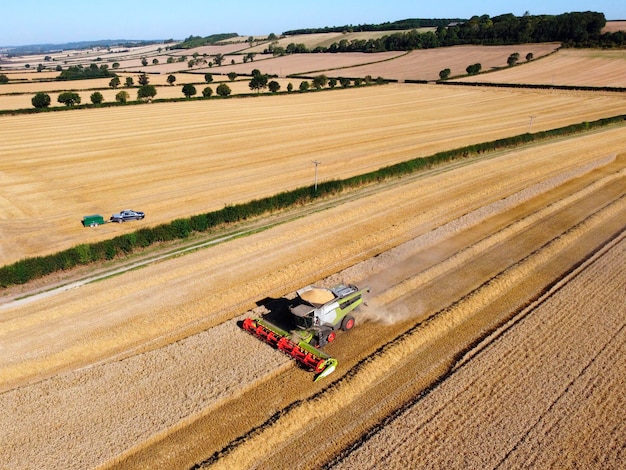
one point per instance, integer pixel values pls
(318, 313)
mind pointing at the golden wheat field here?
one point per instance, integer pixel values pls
(492, 335)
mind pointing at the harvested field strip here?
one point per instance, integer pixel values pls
(343, 393)
(215, 379)
(478, 216)
(535, 397)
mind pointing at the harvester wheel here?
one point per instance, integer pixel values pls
(347, 323)
(331, 336)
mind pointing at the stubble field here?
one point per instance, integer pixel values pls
(176, 159)
(492, 335)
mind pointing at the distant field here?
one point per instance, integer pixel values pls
(330, 64)
(613, 26)
(426, 64)
(311, 41)
(587, 67)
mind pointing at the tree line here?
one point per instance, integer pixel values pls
(259, 81)
(400, 25)
(576, 29)
(197, 41)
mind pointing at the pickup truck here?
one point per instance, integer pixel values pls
(127, 214)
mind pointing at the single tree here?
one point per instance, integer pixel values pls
(304, 86)
(129, 82)
(122, 97)
(115, 82)
(232, 76)
(358, 82)
(258, 82)
(273, 86)
(116, 65)
(155, 61)
(289, 87)
(219, 58)
(96, 97)
(513, 59)
(143, 79)
(69, 98)
(40, 67)
(332, 82)
(191, 63)
(345, 82)
(171, 79)
(208, 77)
(320, 81)
(3, 78)
(189, 90)
(207, 92)
(146, 91)
(41, 100)
(223, 90)
(444, 74)
(58, 68)
(529, 57)
(144, 61)
(473, 69)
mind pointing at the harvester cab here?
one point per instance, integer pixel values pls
(321, 311)
(317, 313)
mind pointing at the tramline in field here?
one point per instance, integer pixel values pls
(318, 313)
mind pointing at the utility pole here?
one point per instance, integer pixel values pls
(530, 124)
(316, 163)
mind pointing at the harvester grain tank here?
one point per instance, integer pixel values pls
(317, 313)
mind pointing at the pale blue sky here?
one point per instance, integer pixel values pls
(60, 21)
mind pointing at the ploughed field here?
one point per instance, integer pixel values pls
(492, 336)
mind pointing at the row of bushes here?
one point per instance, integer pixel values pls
(25, 270)
(108, 104)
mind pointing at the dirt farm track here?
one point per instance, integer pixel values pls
(494, 333)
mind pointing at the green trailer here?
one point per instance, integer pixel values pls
(93, 220)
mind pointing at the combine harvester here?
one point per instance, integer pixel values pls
(318, 313)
